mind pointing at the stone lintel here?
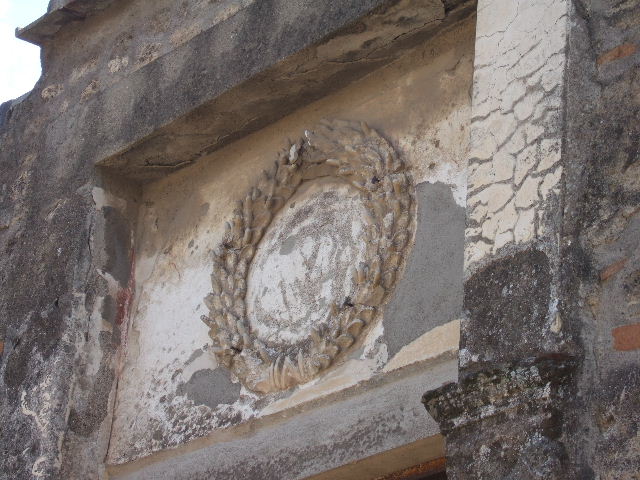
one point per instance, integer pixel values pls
(260, 75)
(334, 439)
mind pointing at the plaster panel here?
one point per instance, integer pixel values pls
(421, 105)
(424, 299)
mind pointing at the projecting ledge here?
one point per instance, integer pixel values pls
(61, 14)
(372, 433)
(206, 98)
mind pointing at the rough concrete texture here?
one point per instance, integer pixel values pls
(549, 359)
(549, 363)
(506, 422)
(513, 201)
(110, 82)
(429, 293)
(518, 286)
(61, 14)
(182, 218)
(602, 232)
(293, 53)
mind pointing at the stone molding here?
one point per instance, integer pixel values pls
(349, 152)
(536, 383)
(507, 422)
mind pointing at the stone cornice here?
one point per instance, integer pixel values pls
(61, 14)
(535, 383)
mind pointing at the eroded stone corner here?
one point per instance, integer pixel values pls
(506, 422)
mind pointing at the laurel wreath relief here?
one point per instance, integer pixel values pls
(347, 151)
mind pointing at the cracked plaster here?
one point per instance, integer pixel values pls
(515, 151)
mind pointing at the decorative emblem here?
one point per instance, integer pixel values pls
(343, 151)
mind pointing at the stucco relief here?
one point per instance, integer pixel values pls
(294, 288)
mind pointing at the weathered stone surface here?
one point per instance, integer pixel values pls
(311, 440)
(110, 82)
(164, 128)
(182, 218)
(576, 315)
(602, 229)
(209, 387)
(507, 304)
(61, 14)
(548, 365)
(506, 422)
(262, 88)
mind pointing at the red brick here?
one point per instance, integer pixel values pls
(621, 51)
(612, 269)
(626, 338)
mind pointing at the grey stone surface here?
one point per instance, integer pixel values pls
(507, 304)
(180, 196)
(505, 422)
(337, 44)
(316, 439)
(61, 15)
(602, 231)
(430, 291)
(118, 246)
(210, 387)
(135, 95)
(112, 82)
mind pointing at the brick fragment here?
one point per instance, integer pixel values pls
(627, 337)
(621, 51)
(612, 269)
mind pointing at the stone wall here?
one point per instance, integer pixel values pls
(118, 172)
(124, 102)
(171, 385)
(602, 233)
(549, 351)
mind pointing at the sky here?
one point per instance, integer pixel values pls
(19, 60)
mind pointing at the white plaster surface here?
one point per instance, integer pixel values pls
(305, 262)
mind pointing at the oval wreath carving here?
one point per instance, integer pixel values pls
(348, 151)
